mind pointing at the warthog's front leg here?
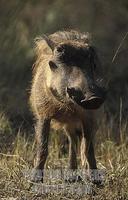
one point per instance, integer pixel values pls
(87, 152)
(72, 137)
(42, 136)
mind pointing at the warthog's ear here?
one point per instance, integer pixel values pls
(49, 42)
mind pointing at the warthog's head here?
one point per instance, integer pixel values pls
(72, 74)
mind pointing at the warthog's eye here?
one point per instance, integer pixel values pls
(60, 49)
(52, 65)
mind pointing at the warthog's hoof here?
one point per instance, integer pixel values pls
(73, 179)
(98, 183)
(97, 179)
(36, 176)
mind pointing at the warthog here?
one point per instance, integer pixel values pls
(65, 94)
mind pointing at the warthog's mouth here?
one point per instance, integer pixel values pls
(93, 102)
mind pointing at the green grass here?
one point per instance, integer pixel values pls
(17, 156)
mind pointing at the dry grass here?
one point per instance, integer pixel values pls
(18, 156)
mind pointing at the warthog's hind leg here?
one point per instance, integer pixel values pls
(87, 152)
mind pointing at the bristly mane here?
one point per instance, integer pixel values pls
(71, 35)
(62, 36)
(42, 49)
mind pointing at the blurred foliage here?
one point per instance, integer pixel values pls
(22, 21)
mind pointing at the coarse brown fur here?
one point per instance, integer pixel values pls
(58, 111)
(42, 101)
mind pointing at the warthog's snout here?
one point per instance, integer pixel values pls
(94, 102)
(90, 100)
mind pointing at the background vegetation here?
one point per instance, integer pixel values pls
(20, 23)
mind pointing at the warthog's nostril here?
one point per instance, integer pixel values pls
(71, 92)
(75, 94)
